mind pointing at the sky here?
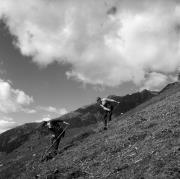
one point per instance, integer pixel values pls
(59, 55)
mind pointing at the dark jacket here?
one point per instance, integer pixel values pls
(57, 127)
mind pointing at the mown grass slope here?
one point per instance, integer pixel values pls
(26, 143)
(84, 116)
(144, 143)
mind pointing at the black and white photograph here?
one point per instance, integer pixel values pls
(89, 89)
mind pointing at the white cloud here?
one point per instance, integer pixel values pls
(51, 109)
(12, 100)
(29, 111)
(106, 42)
(6, 123)
(45, 118)
(22, 98)
(62, 111)
(155, 81)
(53, 113)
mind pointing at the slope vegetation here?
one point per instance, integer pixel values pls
(85, 116)
(143, 143)
(25, 149)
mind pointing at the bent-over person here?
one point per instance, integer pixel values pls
(107, 105)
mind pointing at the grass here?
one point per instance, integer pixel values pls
(141, 144)
(144, 143)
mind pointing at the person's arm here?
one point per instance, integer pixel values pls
(60, 123)
(66, 123)
(107, 109)
(111, 100)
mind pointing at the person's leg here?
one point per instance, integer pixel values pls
(55, 143)
(51, 153)
(110, 115)
(105, 120)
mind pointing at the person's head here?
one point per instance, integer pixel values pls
(98, 100)
(44, 123)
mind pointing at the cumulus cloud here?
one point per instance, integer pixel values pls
(105, 42)
(29, 111)
(155, 81)
(51, 109)
(6, 123)
(12, 100)
(45, 118)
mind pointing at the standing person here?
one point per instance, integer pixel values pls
(57, 128)
(106, 105)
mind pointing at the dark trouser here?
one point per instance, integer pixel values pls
(55, 141)
(55, 144)
(107, 117)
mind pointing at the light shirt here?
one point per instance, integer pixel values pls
(103, 100)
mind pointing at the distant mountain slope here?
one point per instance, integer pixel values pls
(13, 138)
(130, 101)
(170, 88)
(144, 143)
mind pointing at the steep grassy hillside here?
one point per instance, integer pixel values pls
(144, 143)
(82, 117)
(26, 143)
(32, 150)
